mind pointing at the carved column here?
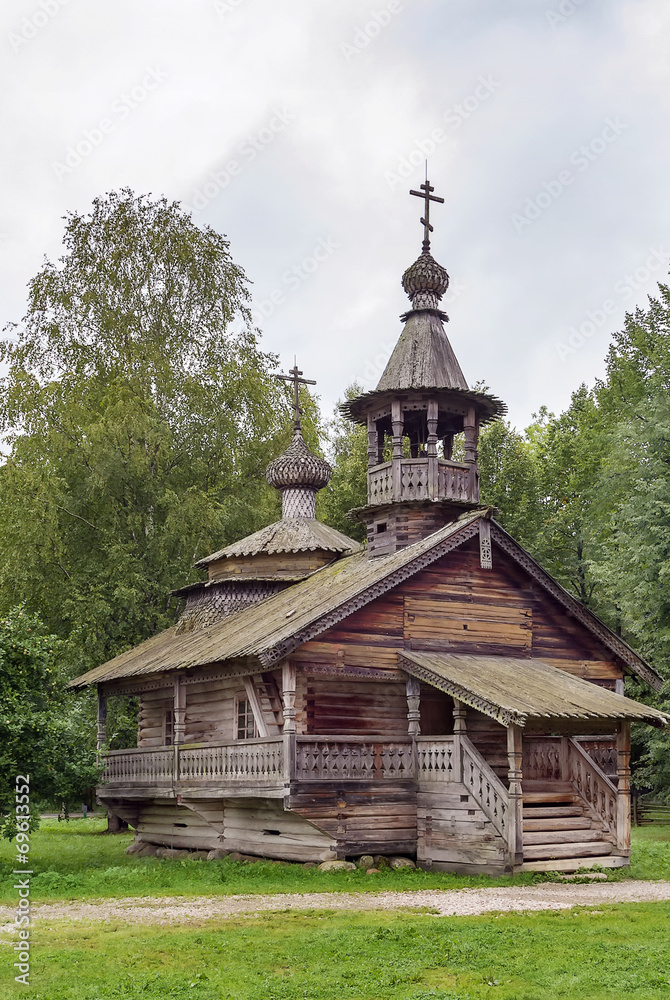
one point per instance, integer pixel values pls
(397, 424)
(288, 679)
(431, 449)
(102, 718)
(623, 788)
(179, 710)
(470, 429)
(413, 703)
(515, 808)
(459, 731)
(373, 442)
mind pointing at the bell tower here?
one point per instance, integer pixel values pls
(422, 402)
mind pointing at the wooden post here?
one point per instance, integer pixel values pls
(373, 443)
(470, 433)
(623, 788)
(431, 449)
(102, 717)
(179, 710)
(413, 703)
(396, 470)
(288, 677)
(459, 730)
(515, 810)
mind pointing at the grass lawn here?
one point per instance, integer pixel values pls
(594, 954)
(76, 860)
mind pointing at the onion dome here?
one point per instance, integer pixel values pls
(298, 473)
(298, 466)
(425, 282)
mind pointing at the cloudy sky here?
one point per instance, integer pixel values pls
(296, 127)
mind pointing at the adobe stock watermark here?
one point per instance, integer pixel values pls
(625, 289)
(34, 23)
(218, 180)
(581, 158)
(371, 29)
(565, 9)
(223, 7)
(453, 118)
(120, 110)
(23, 873)
(293, 278)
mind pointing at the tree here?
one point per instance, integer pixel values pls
(140, 414)
(349, 486)
(43, 733)
(510, 481)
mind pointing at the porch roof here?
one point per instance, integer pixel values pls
(513, 690)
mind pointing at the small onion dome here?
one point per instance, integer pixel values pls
(298, 466)
(426, 280)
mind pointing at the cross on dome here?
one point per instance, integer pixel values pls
(294, 376)
(426, 194)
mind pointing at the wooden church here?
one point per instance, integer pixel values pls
(434, 693)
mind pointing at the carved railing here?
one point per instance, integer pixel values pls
(138, 767)
(603, 750)
(248, 760)
(592, 784)
(485, 787)
(352, 759)
(422, 479)
(436, 760)
(542, 758)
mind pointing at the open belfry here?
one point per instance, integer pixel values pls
(434, 694)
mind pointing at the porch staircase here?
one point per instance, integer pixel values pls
(561, 832)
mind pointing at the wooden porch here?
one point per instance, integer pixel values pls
(557, 811)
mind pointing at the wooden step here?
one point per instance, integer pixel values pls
(574, 864)
(536, 852)
(561, 837)
(542, 796)
(556, 823)
(539, 811)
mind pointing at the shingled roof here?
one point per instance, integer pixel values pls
(272, 629)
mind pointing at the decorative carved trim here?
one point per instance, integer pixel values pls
(502, 715)
(333, 670)
(378, 589)
(485, 553)
(576, 609)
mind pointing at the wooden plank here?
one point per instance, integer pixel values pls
(571, 850)
(574, 864)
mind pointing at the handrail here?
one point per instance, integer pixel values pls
(485, 786)
(592, 784)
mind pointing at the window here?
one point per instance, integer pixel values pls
(168, 726)
(246, 724)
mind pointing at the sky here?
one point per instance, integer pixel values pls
(297, 127)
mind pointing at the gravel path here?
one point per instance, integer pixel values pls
(171, 910)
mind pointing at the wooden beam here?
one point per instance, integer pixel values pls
(179, 710)
(515, 812)
(623, 788)
(254, 701)
(102, 717)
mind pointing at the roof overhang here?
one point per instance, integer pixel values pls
(512, 690)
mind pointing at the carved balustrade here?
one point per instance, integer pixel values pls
(485, 787)
(138, 767)
(592, 784)
(352, 759)
(422, 479)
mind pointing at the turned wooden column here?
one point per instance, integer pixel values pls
(459, 731)
(102, 718)
(413, 706)
(431, 449)
(623, 788)
(515, 808)
(373, 443)
(396, 470)
(288, 678)
(179, 710)
(471, 433)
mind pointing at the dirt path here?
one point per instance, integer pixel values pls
(170, 910)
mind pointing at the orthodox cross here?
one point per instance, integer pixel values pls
(294, 376)
(427, 196)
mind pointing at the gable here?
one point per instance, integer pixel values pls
(456, 605)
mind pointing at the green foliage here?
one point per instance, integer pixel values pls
(510, 481)
(140, 415)
(44, 733)
(348, 488)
